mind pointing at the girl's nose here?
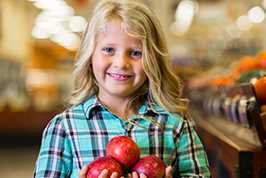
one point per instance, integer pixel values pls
(121, 61)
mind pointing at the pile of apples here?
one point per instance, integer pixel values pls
(124, 154)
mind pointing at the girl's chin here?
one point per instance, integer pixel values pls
(121, 92)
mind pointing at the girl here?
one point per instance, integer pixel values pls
(124, 86)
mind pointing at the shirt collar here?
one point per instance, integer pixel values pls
(148, 106)
(90, 104)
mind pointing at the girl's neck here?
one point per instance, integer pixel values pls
(118, 106)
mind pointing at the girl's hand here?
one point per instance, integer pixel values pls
(83, 171)
(168, 173)
(104, 173)
(135, 175)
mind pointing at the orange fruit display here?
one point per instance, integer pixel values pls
(260, 89)
(221, 81)
(246, 63)
(261, 60)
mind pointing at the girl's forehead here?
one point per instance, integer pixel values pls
(117, 24)
(111, 25)
(116, 30)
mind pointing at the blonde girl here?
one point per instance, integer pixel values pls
(123, 86)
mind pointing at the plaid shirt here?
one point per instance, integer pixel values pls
(80, 134)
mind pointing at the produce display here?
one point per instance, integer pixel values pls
(237, 95)
(123, 155)
(260, 89)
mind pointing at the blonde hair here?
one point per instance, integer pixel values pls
(164, 87)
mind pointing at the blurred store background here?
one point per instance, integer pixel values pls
(218, 47)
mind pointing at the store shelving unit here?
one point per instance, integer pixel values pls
(232, 129)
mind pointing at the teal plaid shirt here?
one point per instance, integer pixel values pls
(80, 134)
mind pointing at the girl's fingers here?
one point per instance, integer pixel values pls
(103, 174)
(114, 175)
(135, 175)
(83, 171)
(169, 172)
(142, 175)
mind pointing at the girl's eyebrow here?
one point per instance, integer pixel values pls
(131, 47)
(110, 44)
(137, 47)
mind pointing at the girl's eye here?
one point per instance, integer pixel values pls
(136, 54)
(108, 50)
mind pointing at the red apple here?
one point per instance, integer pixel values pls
(124, 150)
(151, 166)
(97, 166)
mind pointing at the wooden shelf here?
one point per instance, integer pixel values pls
(228, 154)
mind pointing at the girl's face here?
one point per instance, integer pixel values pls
(116, 62)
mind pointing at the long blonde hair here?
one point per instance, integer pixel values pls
(164, 87)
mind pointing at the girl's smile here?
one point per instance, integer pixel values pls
(119, 76)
